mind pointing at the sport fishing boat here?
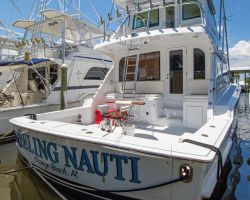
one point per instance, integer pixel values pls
(7, 47)
(32, 84)
(162, 122)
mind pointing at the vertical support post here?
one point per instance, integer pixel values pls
(64, 66)
(245, 82)
(221, 2)
(225, 29)
(179, 7)
(104, 31)
(63, 87)
(212, 88)
(223, 44)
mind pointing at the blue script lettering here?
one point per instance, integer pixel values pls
(81, 160)
(85, 161)
(104, 156)
(70, 155)
(134, 165)
(119, 160)
(54, 156)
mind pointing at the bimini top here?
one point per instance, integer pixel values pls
(33, 61)
(75, 30)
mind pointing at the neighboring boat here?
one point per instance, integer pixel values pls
(161, 124)
(34, 85)
(7, 48)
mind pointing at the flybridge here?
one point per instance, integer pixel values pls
(137, 16)
(140, 5)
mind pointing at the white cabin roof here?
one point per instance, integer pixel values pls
(75, 30)
(144, 3)
(240, 69)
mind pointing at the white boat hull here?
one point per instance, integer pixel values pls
(88, 167)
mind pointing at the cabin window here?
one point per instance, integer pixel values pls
(53, 73)
(199, 64)
(38, 76)
(190, 10)
(170, 17)
(219, 73)
(148, 70)
(141, 19)
(96, 73)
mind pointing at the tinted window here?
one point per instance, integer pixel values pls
(96, 73)
(149, 67)
(53, 73)
(39, 76)
(176, 71)
(199, 64)
(190, 10)
(170, 15)
(141, 19)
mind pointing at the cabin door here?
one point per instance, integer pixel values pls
(176, 74)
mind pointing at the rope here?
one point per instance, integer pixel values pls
(4, 135)
(147, 188)
(87, 188)
(94, 10)
(16, 7)
(14, 171)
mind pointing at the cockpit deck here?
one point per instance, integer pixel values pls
(153, 128)
(143, 120)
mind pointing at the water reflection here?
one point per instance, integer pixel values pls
(243, 188)
(22, 185)
(243, 115)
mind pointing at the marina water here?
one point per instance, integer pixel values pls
(24, 185)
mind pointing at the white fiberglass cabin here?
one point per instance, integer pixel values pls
(160, 126)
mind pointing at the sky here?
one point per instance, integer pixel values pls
(237, 12)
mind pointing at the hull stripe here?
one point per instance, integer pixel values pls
(77, 87)
(91, 58)
(77, 187)
(116, 191)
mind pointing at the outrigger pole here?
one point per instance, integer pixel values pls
(224, 37)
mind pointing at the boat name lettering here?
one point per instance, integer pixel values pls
(49, 154)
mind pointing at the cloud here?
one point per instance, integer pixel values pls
(240, 54)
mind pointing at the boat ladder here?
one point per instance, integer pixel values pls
(37, 27)
(131, 64)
